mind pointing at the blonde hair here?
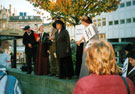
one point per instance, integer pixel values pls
(101, 58)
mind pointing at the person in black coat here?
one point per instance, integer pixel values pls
(131, 73)
(63, 50)
(30, 47)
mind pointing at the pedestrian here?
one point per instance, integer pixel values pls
(87, 22)
(8, 84)
(54, 65)
(127, 65)
(63, 50)
(42, 58)
(104, 78)
(30, 47)
(131, 73)
(4, 58)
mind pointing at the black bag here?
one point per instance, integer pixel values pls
(24, 67)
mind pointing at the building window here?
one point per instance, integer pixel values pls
(134, 2)
(20, 17)
(25, 14)
(122, 5)
(104, 21)
(134, 20)
(26, 17)
(110, 22)
(128, 3)
(31, 17)
(116, 22)
(99, 22)
(122, 21)
(128, 20)
(4, 25)
(4, 16)
(21, 14)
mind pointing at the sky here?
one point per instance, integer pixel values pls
(22, 6)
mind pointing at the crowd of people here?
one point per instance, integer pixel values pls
(95, 59)
(104, 78)
(52, 53)
(39, 47)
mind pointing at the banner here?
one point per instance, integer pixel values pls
(79, 29)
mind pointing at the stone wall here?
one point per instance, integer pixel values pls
(33, 84)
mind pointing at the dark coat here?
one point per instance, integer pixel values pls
(131, 76)
(45, 43)
(29, 39)
(62, 44)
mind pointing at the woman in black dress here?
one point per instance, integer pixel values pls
(63, 50)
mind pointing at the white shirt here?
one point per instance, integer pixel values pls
(4, 59)
(3, 84)
(125, 68)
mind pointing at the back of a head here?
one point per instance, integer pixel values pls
(101, 58)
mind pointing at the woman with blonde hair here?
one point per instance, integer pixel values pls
(104, 78)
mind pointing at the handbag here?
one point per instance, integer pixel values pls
(127, 86)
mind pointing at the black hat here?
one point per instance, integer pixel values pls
(59, 22)
(131, 54)
(26, 27)
(54, 25)
(129, 47)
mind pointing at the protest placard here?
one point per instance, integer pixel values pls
(89, 33)
(79, 29)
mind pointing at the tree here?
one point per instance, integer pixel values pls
(71, 10)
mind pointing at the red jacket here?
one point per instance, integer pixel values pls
(103, 84)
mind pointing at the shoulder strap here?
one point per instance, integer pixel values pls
(127, 86)
(2, 76)
(10, 85)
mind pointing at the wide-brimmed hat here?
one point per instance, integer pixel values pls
(26, 27)
(59, 22)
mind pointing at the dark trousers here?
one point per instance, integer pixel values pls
(30, 57)
(66, 67)
(29, 62)
(79, 54)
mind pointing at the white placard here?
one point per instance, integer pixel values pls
(89, 32)
(79, 29)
